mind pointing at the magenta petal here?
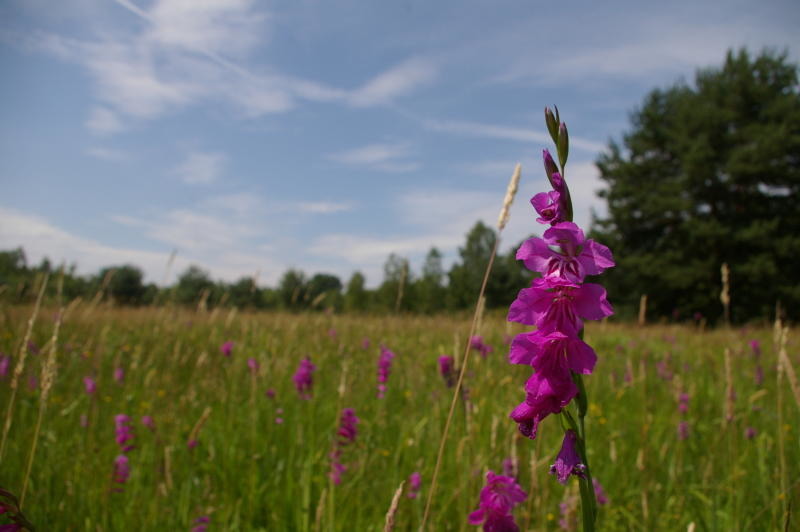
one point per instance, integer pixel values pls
(535, 254)
(591, 302)
(476, 517)
(523, 349)
(595, 258)
(530, 305)
(581, 357)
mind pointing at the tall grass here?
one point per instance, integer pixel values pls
(250, 473)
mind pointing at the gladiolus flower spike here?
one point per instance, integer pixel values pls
(557, 304)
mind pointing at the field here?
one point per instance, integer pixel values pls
(263, 454)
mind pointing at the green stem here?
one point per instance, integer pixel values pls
(588, 501)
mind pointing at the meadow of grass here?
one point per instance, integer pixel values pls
(250, 472)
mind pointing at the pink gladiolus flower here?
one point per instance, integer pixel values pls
(578, 257)
(148, 422)
(750, 433)
(121, 470)
(270, 393)
(346, 434)
(549, 206)
(414, 484)
(683, 403)
(755, 346)
(384, 368)
(90, 385)
(119, 374)
(332, 333)
(124, 432)
(568, 462)
(447, 369)
(509, 468)
(552, 354)
(33, 382)
(477, 343)
(192, 444)
(253, 364)
(599, 493)
(683, 430)
(303, 379)
(553, 305)
(545, 395)
(497, 500)
(365, 343)
(226, 348)
(5, 363)
(202, 523)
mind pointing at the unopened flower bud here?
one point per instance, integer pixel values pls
(563, 144)
(552, 123)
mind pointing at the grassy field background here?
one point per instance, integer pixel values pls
(249, 472)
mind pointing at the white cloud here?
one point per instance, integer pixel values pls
(103, 121)
(521, 134)
(200, 168)
(385, 157)
(323, 207)
(395, 82)
(107, 154)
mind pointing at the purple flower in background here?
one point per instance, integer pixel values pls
(33, 348)
(270, 393)
(750, 433)
(509, 468)
(384, 368)
(148, 422)
(347, 426)
(346, 434)
(568, 462)
(84, 420)
(755, 346)
(201, 523)
(446, 369)
(303, 380)
(568, 511)
(578, 258)
(477, 343)
(5, 363)
(683, 430)
(124, 432)
(365, 343)
(253, 364)
(90, 385)
(599, 493)
(192, 444)
(119, 374)
(122, 470)
(549, 206)
(497, 499)
(226, 348)
(414, 484)
(33, 382)
(759, 375)
(332, 333)
(683, 403)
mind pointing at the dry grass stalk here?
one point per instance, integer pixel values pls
(511, 192)
(642, 310)
(504, 218)
(783, 359)
(47, 377)
(20, 367)
(728, 387)
(725, 294)
(389, 524)
(320, 510)
(200, 423)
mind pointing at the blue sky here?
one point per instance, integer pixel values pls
(256, 136)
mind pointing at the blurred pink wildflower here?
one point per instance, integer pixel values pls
(226, 348)
(497, 499)
(90, 385)
(384, 368)
(303, 380)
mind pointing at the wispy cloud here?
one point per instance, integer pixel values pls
(200, 168)
(103, 121)
(395, 82)
(385, 157)
(323, 207)
(108, 154)
(520, 134)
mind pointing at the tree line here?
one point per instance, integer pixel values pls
(432, 289)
